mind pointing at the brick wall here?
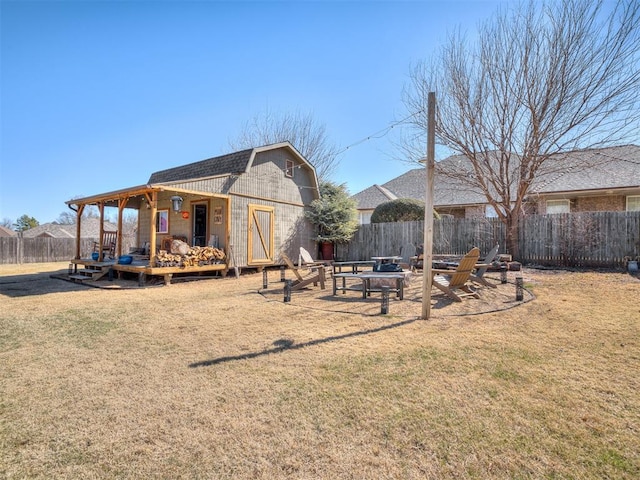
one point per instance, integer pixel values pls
(608, 203)
(604, 203)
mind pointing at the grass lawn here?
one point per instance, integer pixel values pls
(215, 379)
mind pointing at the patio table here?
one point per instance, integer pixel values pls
(355, 265)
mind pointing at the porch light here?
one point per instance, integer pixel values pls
(176, 201)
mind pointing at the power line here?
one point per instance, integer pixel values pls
(380, 133)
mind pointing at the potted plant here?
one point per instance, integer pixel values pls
(334, 217)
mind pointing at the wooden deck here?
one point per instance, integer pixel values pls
(93, 270)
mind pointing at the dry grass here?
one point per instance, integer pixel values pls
(215, 379)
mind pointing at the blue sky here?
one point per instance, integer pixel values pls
(97, 95)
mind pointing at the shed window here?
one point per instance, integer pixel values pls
(288, 171)
(633, 203)
(558, 206)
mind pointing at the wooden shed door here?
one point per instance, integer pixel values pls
(260, 241)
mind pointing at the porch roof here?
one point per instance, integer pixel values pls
(135, 195)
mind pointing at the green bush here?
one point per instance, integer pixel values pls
(334, 214)
(400, 210)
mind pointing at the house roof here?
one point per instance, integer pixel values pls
(231, 164)
(90, 228)
(373, 196)
(609, 168)
(586, 171)
(6, 232)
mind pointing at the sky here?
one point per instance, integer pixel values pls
(97, 95)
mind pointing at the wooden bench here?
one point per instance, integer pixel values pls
(345, 287)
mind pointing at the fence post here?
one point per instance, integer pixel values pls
(519, 288)
(287, 291)
(384, 307)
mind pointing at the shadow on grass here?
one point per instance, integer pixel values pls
(284, 344)
(35, 284)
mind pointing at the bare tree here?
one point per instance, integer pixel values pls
(67, 218)
(307, 135)
(540, 80)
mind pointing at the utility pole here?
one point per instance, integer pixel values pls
(427, 261)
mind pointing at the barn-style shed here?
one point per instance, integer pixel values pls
(253, 200)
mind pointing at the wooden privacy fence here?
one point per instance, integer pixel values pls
(589, 239)
(45, 249)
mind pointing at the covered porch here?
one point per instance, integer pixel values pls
(200, 219)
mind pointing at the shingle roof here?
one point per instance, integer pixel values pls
(90, 228)
(614, 167)
(5, 232)
(54, 230)
(232, 163)
(372, 197)
(608, 168)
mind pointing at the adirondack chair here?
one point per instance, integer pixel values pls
(407, 252)
(305, 259)
(478, 276)
(313, 275)
(454, 282)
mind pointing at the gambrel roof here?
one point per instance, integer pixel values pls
(170, 179)
(230, 164)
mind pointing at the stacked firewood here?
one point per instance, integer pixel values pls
(195, 257)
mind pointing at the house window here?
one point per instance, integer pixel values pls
(288, 171)
(633, 203)
(490, 212)
(364, 217)
(558, 206)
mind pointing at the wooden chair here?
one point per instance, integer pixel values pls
(109, 239)
(315, 275)
(454, 282)
(478, 276)
(407, 252)
(416, 263)
(307, 260)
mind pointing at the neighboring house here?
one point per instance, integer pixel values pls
(611, 182)
(253, 200)
(90, 228)
(6, 232)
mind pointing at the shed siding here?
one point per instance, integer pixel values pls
(264, 184)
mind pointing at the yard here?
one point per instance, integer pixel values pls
(218, 379)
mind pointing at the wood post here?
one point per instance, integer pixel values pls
(428, 208)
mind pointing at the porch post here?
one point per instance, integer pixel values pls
(78, 229)
(228, 231)
(153, 202)
(122, 202)
(100, 250)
